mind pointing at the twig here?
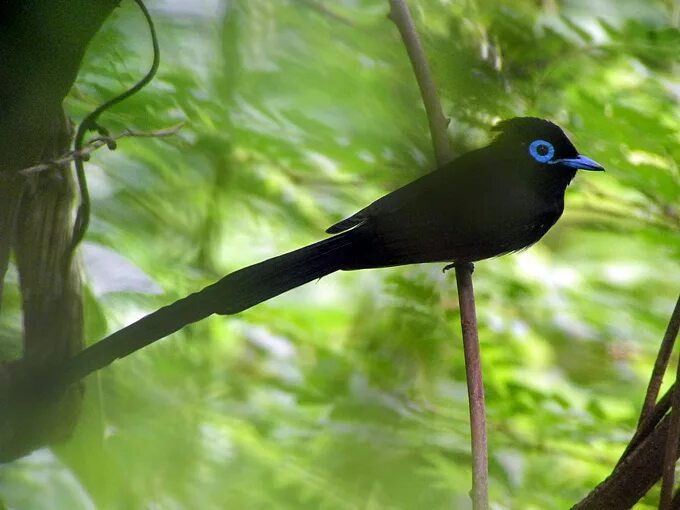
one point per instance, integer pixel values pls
(633, 477)
(649, 454)
(325, 11)
(668, 480)
(661, 363)
(95, 144)
(401, 17)
(89, 123)
(649, 423)
(665, 501)
(656, 379)
(653, 411)
(675, 504)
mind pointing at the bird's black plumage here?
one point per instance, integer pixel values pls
(491, 201)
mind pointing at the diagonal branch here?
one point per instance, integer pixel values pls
(328, 13)
(668, 479)
(661, 363)
(633, 477)
(651, 448)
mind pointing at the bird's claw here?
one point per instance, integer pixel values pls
(468, 265)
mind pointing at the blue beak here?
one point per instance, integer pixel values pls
(580, 163)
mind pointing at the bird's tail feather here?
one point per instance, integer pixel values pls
(233, 293)
(254, 284)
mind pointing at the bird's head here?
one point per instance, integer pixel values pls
(541, 145)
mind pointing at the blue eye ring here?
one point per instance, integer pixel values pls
(541, 150)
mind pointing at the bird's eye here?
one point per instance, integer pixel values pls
(541, 151)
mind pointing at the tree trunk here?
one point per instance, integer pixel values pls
(41, 46)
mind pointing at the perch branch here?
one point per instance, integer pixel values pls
(401, 17)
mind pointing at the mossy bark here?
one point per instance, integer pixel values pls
(42, 43)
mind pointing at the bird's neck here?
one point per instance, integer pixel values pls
(555, 183)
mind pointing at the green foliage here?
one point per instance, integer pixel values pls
(349, 393)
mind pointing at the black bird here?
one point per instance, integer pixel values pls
(490, 201)
(494, 200)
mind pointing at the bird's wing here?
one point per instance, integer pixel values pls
(449, 179)
(357, 218)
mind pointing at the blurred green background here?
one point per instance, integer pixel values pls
(349, 393)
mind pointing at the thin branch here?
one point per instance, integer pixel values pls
(672, 439)
(675, 504)
(646, 456)
(89, 123)
(633, 477)
(666, 499)
(475, 386)
(326, 12)
(653, 411)
(401, 17)
(661, 363)
(97, 143)
(649, 423)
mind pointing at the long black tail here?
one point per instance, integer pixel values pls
(254, 284)
(234, 293)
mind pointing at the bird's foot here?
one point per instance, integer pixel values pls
(462, 265)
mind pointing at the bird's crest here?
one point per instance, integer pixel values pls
(522, 125)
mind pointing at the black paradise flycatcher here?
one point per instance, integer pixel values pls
(490, 201)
